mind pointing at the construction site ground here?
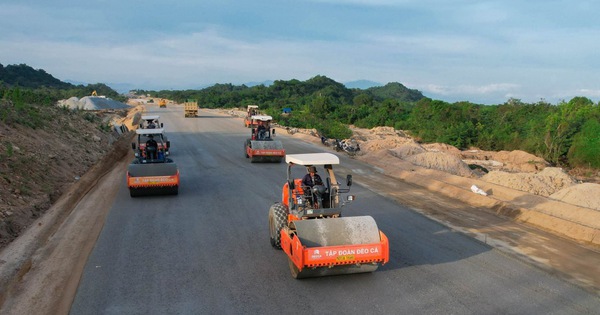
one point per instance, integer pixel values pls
(39, 271)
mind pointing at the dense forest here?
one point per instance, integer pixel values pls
(565, 134)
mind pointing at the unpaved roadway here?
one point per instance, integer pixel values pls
(207, 250)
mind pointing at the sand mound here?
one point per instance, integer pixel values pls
(583, 195)
(384, 131)
(520, 161)
(442, 147)
(377, 133)
(544, 183)
(510, 161)
(441, 161)
(379, 144)
(407, 150)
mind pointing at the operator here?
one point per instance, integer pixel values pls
(152, 125)
(310, 180)
(260, 130)
(151, 147)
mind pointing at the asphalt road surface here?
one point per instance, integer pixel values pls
(207, 250)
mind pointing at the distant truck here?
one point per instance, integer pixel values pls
(162, 103)
(190, 108)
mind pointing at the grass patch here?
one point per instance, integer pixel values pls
(9, 149)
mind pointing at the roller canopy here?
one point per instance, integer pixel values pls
(262, 117)
(149, 131)
(312, 159)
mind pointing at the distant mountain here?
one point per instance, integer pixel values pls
(25, 76)
(397, 91)
(122, 88)
(361, 84)
(76, 82)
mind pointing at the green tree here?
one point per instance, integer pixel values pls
(562, 125)
(585, 150)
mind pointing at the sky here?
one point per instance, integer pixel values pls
(484, 52)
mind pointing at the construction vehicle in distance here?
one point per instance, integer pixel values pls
(152, 172)
(252, 110)
(162, 103)
(308, 225)
(94, 93)
(261, 147)
(190, 108)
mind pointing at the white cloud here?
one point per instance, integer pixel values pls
(203, 57)
(470, 89)
(588, 92)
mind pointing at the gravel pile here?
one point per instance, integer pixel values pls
(93, 103)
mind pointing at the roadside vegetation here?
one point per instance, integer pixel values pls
(565, 134)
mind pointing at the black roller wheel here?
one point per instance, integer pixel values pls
(297, 274)
(277, 220)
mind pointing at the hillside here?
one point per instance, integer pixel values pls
(26, 80)
(395, 91)
(25, 76)
(42, 156)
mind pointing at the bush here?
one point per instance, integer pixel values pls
(585, 150)
(334, 129)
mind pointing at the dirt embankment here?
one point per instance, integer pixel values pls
(38, 165)
(520, 183)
